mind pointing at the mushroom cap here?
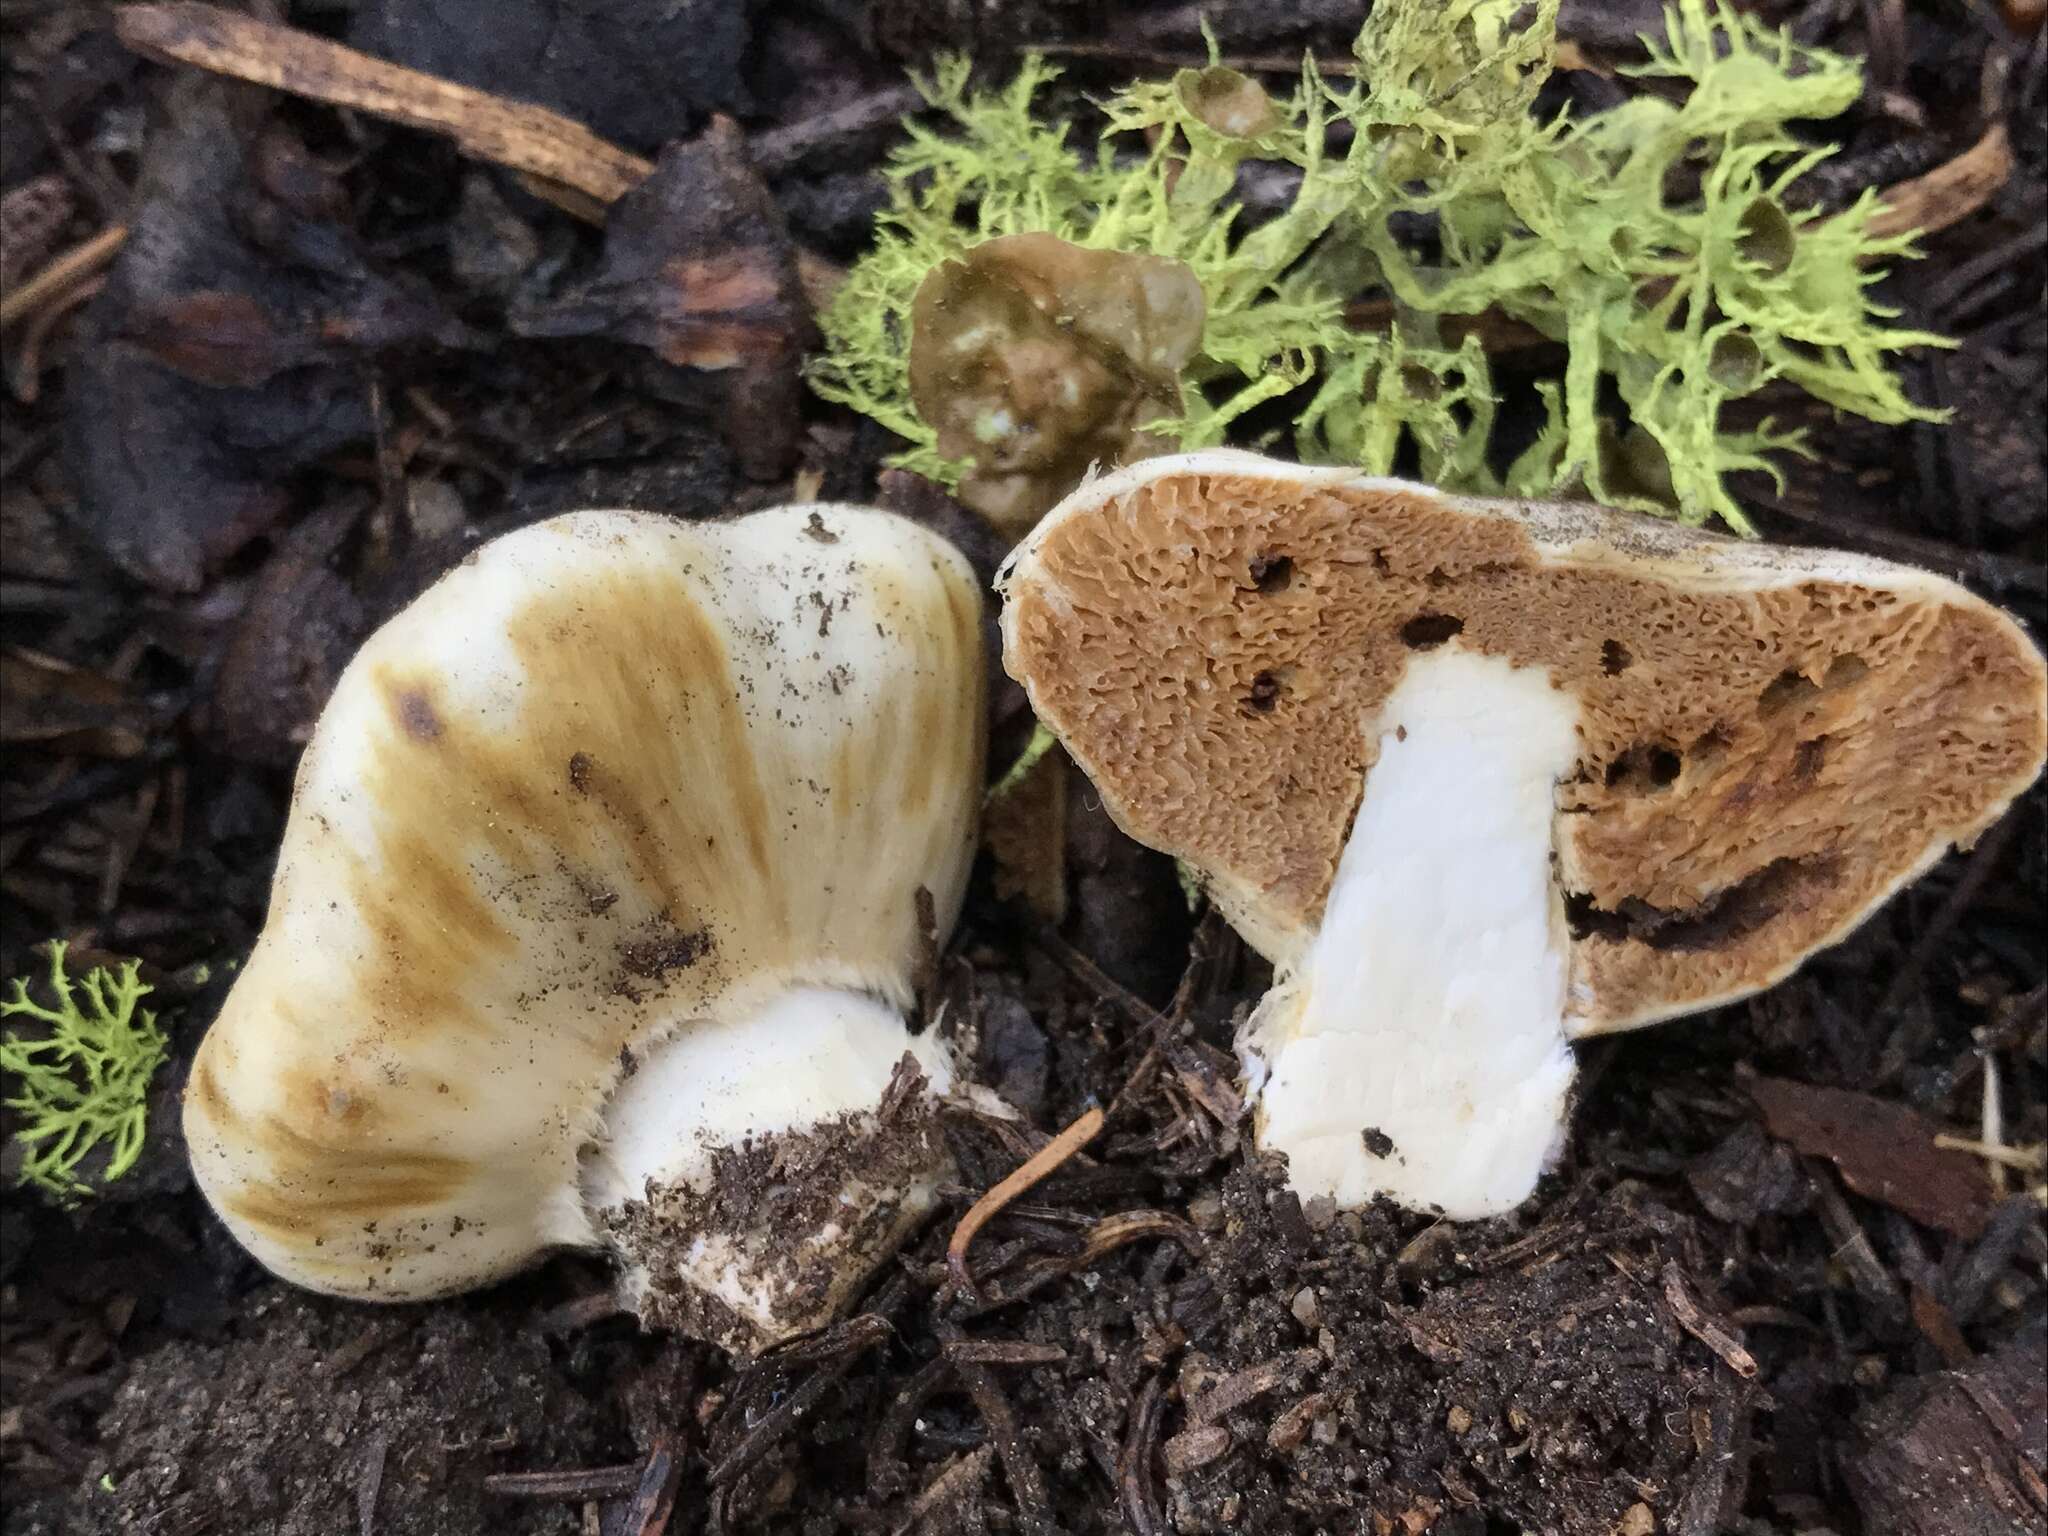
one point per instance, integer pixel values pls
(1773, 740)
(1032, 358)
(613, 774)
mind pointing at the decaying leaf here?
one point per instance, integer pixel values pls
(302, 623)
(222, 354)
(698, 268)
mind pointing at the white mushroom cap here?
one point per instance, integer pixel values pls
(621, 801)
(1482, 776)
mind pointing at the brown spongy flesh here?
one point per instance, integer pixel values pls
(1774, 740)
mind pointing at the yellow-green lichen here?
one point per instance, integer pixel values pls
(1657, 241)
(83, 1076)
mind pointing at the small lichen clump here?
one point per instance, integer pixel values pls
(1657, 241)
(84, 1078)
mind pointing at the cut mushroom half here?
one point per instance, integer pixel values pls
(596, 919)
(1484, 777)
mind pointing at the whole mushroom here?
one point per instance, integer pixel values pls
(1484, 777)
(596, 918)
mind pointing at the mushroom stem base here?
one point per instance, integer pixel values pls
(1418, 1051)
(756, 1172)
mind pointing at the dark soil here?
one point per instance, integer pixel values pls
(300, 396)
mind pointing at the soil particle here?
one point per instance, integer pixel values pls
(654, 957)
(1544, 1376)
(269, 1429)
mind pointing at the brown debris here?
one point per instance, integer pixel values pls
(570, 1484)
(654, 1499)
(1134, 1474)
(1292, 1425)
(1195, 1447)
(54, 704)
(1249, 1384)
(1020, 1468)
(75, 266)
(302, 623)
(1885, 1151)
(225, 351)
(839, 1348)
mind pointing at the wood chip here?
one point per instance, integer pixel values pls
(1002, 1352)
(1249, 1384)
(570, 1484)
(1885, 1150)
(1294, 1423)
(1195, 1447)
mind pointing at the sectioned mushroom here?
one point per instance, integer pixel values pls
(596, 917)
(1484, 777)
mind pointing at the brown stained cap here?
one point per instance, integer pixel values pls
(1772, 740)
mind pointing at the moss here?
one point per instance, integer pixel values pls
(1679, 302)
(84, 1077)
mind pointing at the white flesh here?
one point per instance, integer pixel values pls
(1430, 1006)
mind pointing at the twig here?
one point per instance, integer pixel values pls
(1250, 1384)
(853, 1338)
(2028, 1159)
(1028, 1173)
(956, 1479)
(1694, 1320)
(1113, 1232)
(654, 1499)
(1992, 1121)
(1949, 193)
(1983, 862)
(782, 150)
(25, 370)
(571, 1484)
(1020, 1469)
(1002, 1352)
(74, 266)
(370, 1482)
(1134, 1477)
(1873, 1282)
(511, 133)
